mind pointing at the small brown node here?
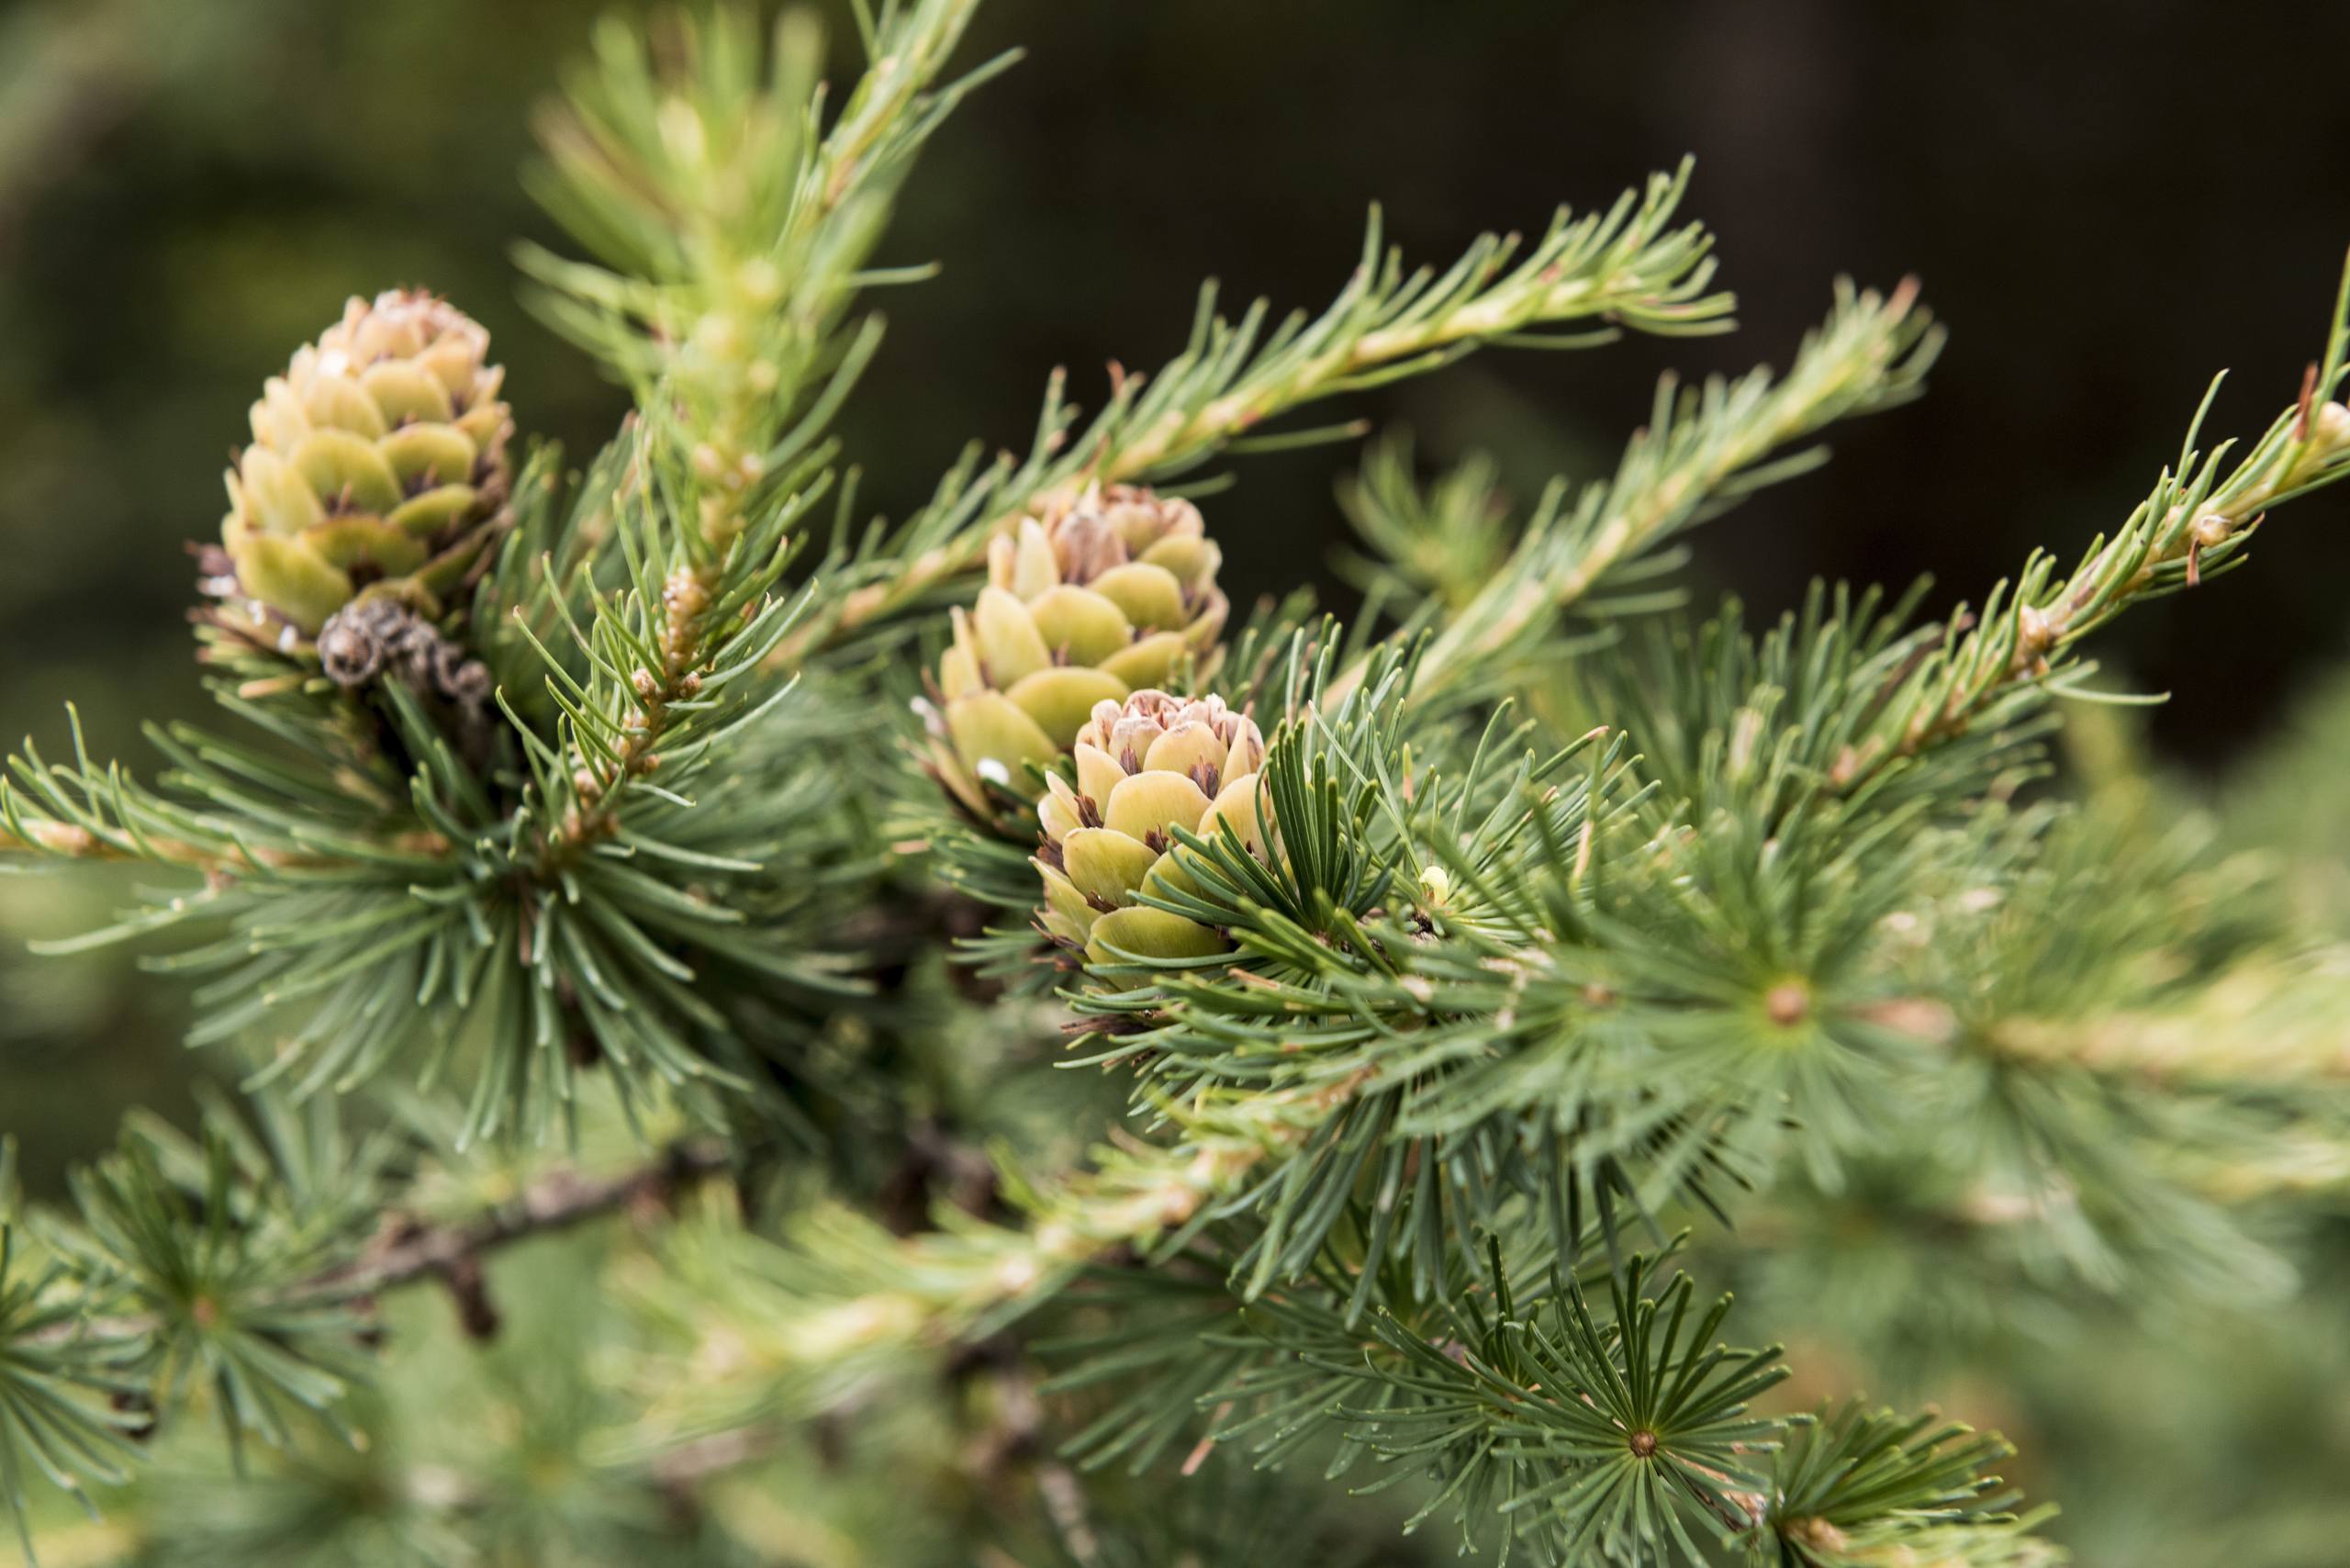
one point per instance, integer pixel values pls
(1788, 1003)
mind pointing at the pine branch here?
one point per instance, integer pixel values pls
(554, 1202)
(739, 236)
(247, 1262)
(742, 238)
(1584, 1414)
(1859, 1488)
(83, 812)
(563, 879)
(1239, 1124)
(1702, 451)
(73, 840)
(2195, 522)
(1627, 266)
(805, 1327)
(2264, 1022)
(1570, 1424)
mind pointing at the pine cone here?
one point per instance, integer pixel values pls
(1101, 597)
(1145, 766)
(379, 455)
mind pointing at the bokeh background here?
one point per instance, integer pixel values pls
(2107, 199)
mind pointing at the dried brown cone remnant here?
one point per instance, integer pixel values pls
(373, 640)
(378, 466)
(1103, 596)
(1145, 766)
(365, 641)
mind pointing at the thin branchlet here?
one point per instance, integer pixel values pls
(2196, 521)
(1629, 266)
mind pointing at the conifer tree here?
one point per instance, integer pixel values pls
(769, 1034)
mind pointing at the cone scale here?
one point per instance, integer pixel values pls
(1146, 766)
(1094, 600)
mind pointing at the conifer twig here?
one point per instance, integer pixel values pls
(556, 1201)
(2196, 521)
(1627, 266)
(1702, 450)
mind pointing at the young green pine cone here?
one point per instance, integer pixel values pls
(379, 455)
(1101, 597)
(1145, 766)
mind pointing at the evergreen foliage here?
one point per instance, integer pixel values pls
(1565, 955)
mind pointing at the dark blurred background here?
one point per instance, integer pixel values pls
(2107, 201)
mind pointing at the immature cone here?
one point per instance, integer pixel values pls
(378, 457)
(1099, 598)
(1145, 766)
